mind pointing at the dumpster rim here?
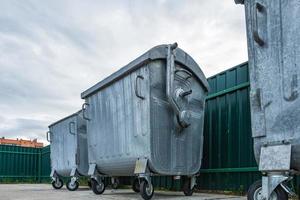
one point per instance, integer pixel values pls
(155, 53)
(67, 117)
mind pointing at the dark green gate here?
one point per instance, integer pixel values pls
(228, 159)
(23, 164)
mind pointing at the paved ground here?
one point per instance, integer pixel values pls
(45, 192)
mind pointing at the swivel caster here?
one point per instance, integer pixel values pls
(98, 188)
(146, 189)
(57, 184)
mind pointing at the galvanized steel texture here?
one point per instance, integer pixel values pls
(129, 116)
(69, 145)
(274, 53)
(228, 159)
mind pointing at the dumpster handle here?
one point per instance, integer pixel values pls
(70, 128)
(136, 86)
(257, 8)
(47, 136)
(83, 111)
(170, 77)
(185, 71)
(181, 114)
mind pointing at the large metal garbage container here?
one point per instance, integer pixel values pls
(147, 119)
(69, 154)
(273, 28)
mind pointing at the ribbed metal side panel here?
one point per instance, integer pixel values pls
(118, 129)
(69, 149)
(63, 147)
(274, 54)
(182, 148)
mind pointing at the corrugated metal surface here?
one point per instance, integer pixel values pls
(45, 165)
(132, 116)
(228, 159)
(274, 54)
(23, 163)
(69, 145)
(19, 162)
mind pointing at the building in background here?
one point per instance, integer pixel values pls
(20, 142)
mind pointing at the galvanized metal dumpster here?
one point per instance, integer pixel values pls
(273, 28)
(147, 119)
(69, 154)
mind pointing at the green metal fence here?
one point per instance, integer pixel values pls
(20, 164)
(228, 159)
(45, 164)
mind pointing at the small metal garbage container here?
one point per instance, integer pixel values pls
(69, 155)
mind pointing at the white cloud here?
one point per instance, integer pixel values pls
(51, 51)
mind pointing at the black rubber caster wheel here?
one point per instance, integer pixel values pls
(57, 184)
(72, 186)
(136, 185)
(187, 190)
(255, 192)
(146, 190)
(97, 188)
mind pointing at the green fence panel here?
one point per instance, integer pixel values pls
(23, 164)
(45, 164)
(18, 163)
(228, 159)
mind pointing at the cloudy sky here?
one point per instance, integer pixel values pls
(51, 51)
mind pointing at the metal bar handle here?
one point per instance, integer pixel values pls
(70, 128)
(257, 8)
(185, 71)
(185, 93)
(48, 136)
(170, 77)
(136, 86)
(84, 106)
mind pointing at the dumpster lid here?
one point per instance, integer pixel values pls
(158, 52)
(69, 116)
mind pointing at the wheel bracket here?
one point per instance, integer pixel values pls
(270, 182)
